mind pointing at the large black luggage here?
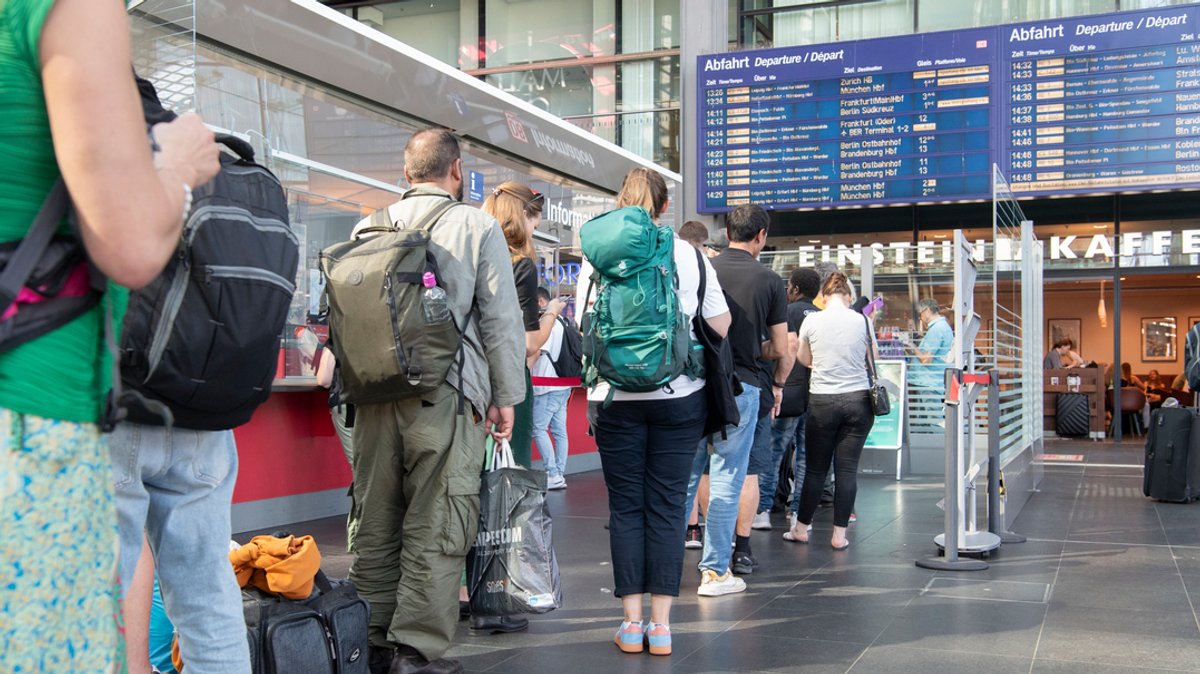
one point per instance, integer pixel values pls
(1071, 415)
(1173, 455)
(324, 634)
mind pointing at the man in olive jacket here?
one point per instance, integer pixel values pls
(417, 461)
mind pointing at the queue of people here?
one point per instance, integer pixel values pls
(155, 500)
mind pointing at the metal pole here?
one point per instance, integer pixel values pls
(954, 479)
(1118, 432)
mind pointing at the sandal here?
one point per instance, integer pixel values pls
(839, 547)
(791, 535)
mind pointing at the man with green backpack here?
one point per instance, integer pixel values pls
(426, 328)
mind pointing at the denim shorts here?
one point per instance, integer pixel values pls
(761, 459)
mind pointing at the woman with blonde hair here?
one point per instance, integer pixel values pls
(647, 442)
(835, 343)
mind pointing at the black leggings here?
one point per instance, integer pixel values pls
(837, 428)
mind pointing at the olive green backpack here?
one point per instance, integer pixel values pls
(385, 350)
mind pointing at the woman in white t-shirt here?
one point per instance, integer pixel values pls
(834, 343)
(647, 443)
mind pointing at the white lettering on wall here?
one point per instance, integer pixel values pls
(1191, 241)
(1060, 248)
(1130, 242)
(1099, 243)
(1160, 242)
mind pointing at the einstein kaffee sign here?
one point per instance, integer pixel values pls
(1156, 248)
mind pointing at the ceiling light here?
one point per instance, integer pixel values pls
(939, 236)
(1099, 226)
(814, 241)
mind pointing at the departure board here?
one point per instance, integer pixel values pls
(897, 120)
(1086, 105)
(1102, 104)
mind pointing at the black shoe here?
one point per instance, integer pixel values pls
(379, 660)
(406, 662)
(464, 610)
(743, 563)
(498, 624)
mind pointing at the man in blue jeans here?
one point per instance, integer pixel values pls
(802, 286)
(759, 307)
(176, 484)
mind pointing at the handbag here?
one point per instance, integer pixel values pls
(512, 568)
(881, 404)
(721, 385)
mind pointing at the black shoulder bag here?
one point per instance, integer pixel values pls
(881, 405)
(721, 385)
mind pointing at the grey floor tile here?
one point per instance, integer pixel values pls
(737, 652)
(903, 660)
(1044, 666)
(1113, 592)
(1152, 622)
(1100, 558)
(859, 628)
(999, 628)
(1106, 648)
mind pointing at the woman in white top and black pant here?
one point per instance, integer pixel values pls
(834, 344)
(647, 442)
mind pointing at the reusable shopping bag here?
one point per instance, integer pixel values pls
(512, 568)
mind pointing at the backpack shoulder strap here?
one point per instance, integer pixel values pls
(703, 290)
(20, 265)
(434, 215)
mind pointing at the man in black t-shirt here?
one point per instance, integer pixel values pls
(759, 306)
(802, 286)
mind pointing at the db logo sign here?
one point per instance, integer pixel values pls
(516, 128)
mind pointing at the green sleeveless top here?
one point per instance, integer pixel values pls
(64, 374)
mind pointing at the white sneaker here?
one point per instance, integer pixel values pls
(712, 585)
(556, 482)
(762, 521)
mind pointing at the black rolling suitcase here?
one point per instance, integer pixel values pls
(1173, 455)
(1071, 415)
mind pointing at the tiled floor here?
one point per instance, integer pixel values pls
(1108, 582)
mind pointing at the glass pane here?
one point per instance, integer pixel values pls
(947, 14)
(829, 24)
(647, 25)
(563, 90)
(425, 25)
(528, 31)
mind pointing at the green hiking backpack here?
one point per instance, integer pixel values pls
(635, 337)
(385, 348)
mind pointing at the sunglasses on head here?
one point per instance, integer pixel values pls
(537, 197)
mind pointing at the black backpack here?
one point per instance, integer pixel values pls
(569, 364)
(721, 383)
(203, 337)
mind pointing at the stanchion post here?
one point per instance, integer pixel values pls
(954, 478)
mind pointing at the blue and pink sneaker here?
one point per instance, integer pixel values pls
(658, 636)
(630, 637)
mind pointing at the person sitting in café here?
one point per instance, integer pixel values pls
(1058, 354)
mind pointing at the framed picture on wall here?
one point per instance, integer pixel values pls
(1064, 328)
(1158, 338)
(1192, 320)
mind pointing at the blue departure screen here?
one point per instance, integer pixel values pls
(1102, 104)
(896, 120)
(1093, 104)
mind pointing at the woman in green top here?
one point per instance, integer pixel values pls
(71, 109)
